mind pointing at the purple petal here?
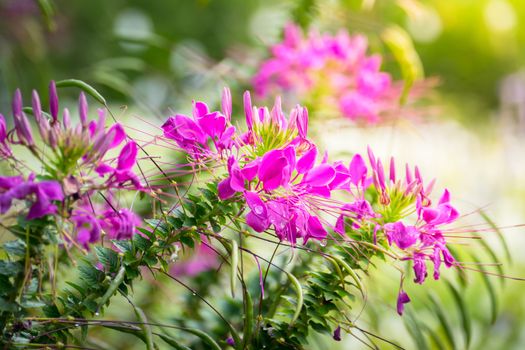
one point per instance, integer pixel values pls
(307, 161)
(200, 109)
(225, 190)
(337, 334)
(402, 299)
(321, 175)
(119, 135)
(250, 170)
(259, 224)
(103, 169)
(127, 156)
(315, 228)
(256, 204)
(51, 189)
(420, 268)
(272, 168)
(357, 169)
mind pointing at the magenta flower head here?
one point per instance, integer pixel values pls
(87, 227)
(120, 224)
(205, 135)
(331, 72)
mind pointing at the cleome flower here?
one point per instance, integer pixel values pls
(328, 71)
(75, 165)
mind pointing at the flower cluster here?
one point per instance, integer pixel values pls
(75, 164)
(329, 71)
(275, 170)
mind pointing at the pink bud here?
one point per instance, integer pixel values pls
(248, 109)
(83, 109)
(226, 103)
(392, 170)
(53, 101)
(23, 129)
(53, 138)
(37, 108)
(417, 174)
(408, 174)
(371, 157)
(66, 119)
(380, 174)
(17, 103)
(302, 122)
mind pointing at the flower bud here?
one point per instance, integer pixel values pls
(53, 101)
(226, 103)
(83, 109)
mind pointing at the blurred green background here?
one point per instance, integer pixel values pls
(156, 56)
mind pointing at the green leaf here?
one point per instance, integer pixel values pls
(173, 342)
(443, 321)
(107, 257)
(498, 232)
(204, 337)
(7, 306)
(412, 326)
(463, 313)
(88, 89)
(490, 288)
(10, 268)
(15, 248)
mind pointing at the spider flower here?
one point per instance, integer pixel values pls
(329, 71)
(197, 135)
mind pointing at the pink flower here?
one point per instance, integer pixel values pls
(331, 70)
(120, 224)
(194, 135)
(41, 194)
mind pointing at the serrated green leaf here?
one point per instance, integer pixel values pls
(10, 268)
(15, 248)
